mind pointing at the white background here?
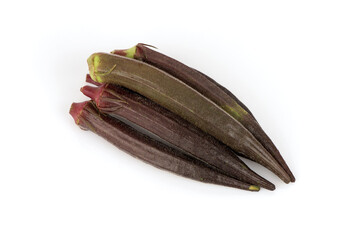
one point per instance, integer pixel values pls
(295, 64)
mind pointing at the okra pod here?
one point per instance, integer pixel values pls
(88, 117)
(191, 76)
(122, 103)
(181, 99)
(210, 89)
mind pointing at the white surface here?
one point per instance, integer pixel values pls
(294, 64)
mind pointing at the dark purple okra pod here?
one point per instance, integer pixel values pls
(88, 117)
(125, 104)
(209, 88)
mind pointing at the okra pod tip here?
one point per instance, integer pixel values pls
(254, 188)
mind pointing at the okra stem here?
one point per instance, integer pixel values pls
(90, 80)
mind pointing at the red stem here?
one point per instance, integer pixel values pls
(93, 92)
(90, 80)
(119, 52)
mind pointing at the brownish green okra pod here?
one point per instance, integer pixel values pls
(209, 88)
(181, 99)
(179, 70)
(87, 116)
(125, 104)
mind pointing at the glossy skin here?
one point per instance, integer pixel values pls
(125, 104)
(126, 138)
(176, 96)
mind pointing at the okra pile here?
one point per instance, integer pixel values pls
(175, 118)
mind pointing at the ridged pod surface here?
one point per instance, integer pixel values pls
(210, 89)
(181, 99)
(126, 138)
(122, 103)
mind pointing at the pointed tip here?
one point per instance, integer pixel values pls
(254, 178)
(291, 175)
(286, 180)
(280, 172)
(284, 165)
(270, 187)
(261, 155)
(286, 168)
(254, 188)
(292, 178)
